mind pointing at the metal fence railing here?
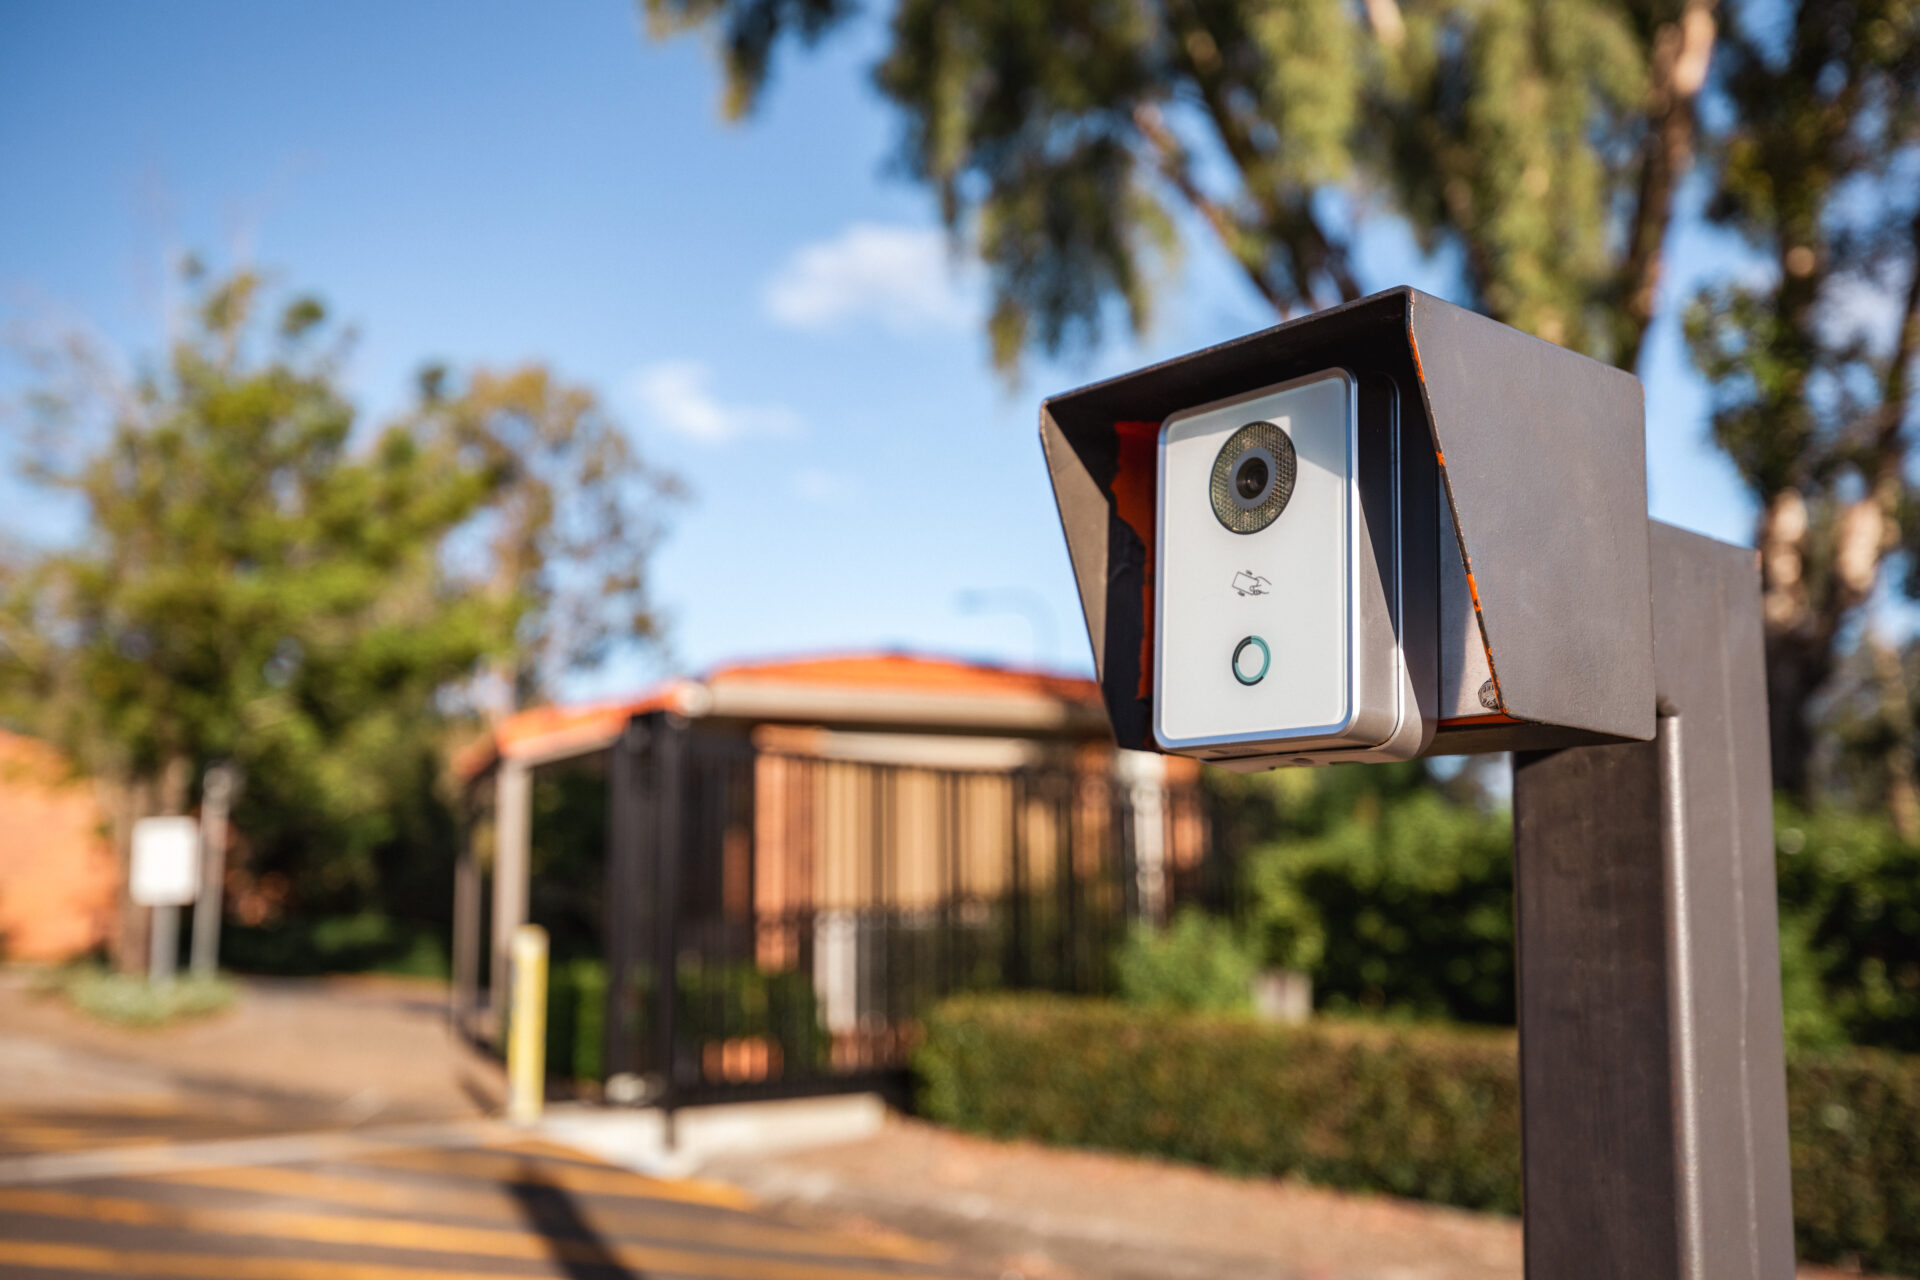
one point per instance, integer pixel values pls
(806, 911)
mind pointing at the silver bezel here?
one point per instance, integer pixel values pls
(1352, 693)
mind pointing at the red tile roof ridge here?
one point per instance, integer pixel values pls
(877, 670)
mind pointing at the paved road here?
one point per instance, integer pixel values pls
(144, 1192)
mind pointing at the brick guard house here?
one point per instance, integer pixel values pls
(816, 848)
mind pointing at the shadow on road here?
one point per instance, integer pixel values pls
(571, 1240)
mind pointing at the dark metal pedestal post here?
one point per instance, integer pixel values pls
(1653, 1085)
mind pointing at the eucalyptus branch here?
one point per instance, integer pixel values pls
(1682, 51)
(1171, 160)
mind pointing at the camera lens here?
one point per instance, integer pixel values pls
(1251, 477)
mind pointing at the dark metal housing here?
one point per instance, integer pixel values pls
(1542, 457)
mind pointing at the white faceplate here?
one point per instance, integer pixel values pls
(1292, 585)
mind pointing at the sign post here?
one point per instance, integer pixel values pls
(216, 798)
(165, 876)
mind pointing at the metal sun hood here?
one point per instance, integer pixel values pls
(1542, 456)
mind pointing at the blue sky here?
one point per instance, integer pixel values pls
(769, 310)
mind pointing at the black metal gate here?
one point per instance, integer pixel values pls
(805, 911)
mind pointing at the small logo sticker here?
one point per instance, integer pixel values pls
(1249, 583)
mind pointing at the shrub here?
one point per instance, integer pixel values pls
(1406, 906)
(301, 945)
(1402, 903)
(1853, 1119)
(1414, 1111)
(1850, 916)
(735, 1001)
(576, 1019)
(1430, 1112)
(1195, 963)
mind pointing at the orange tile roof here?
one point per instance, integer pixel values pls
(910, 673)
(544, 730)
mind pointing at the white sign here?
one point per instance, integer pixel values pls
(166, 862)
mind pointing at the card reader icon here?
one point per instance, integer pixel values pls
(1249, 583)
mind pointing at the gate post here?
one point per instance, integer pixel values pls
(1653, 1081)
(625, 898)
(670, 753)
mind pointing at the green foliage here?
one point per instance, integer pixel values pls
(750, 30)
(576, 1019)
(1853, 1121)
(715, 1003)
(1067, 139)
(1811, 359)
(568, 857)
(1407, 907)
(1395, 893)
(1540, 145)
(1195, 963)
(129, 1000)
(1850, 928)
(572, 516)
(736, 1001)
(265, 579)
(1427, 1112)
(311, 944)
(1397, 899)
(250, 584)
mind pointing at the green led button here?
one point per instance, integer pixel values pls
(1250, 660)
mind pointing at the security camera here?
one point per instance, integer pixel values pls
(1390, 529)
(1282, 620)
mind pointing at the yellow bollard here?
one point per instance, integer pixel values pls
(527, 1033)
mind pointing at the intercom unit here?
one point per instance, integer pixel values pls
(1388, 529)
(1281, 619)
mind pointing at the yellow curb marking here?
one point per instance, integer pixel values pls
(400, 1234)
(202, 1266)
(618, 1219)
(48, 1137)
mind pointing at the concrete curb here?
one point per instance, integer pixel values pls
(640, 1140)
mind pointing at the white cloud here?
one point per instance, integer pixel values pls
(678, 395)
(903, 277)
(817, 484)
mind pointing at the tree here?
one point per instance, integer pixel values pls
(573, 516)
(1544, 143)
(260, 579)
(1812, 366)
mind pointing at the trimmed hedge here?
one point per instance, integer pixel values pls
(1853, 1118)
(1428, 1112)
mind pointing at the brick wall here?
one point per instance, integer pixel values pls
(58, 880)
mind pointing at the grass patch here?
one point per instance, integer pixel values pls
(129, 1000)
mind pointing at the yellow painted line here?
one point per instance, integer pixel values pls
(214, 1266)
(48, 1137)
(285, 1148)
(500, 1166)
(495, 1203)
(121, 1107)
(425, 1237)
(691, 1190)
